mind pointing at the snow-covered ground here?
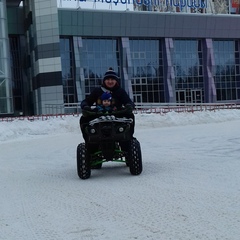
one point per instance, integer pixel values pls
(189, 188)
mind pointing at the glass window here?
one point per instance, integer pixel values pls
(187, 62)
(226, 70)
(147, 70)
(97, 55)
(16, 70)
(5, 80)
(68, 78)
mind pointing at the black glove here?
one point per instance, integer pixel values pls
(86, 111)
(129, 108)
(94, 110)
(87, 108)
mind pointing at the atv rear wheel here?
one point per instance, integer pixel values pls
(83, 162)
(135, 157)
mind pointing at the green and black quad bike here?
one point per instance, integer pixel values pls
(109, 134)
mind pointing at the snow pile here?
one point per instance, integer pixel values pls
(20, 129)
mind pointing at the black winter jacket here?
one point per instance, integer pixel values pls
(119, 97)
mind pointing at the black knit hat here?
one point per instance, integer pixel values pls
(110, 74)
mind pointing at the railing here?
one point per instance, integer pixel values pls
(183, 107)
(75, 110)
(150, 107)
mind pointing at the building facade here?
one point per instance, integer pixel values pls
(53, 56)
(5, 77)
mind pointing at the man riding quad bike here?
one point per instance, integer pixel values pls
(108, 139)
(108, 133)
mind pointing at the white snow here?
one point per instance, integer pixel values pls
(189, 188)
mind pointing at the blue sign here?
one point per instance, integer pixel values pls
(169, 3)
(187, 3)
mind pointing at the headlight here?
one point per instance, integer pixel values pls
(92, 130)
(120, 129)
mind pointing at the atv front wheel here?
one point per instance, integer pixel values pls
(135, 157)
(83, 163)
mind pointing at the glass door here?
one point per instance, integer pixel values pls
(137, 98)
(180, 96)
(196, 96)
(238, 93)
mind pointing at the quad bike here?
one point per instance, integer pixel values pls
(108, 134)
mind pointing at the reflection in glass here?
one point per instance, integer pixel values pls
(16, 70)
(69, 84)
(97, 55)
(226, 71)
(188, 64)
(147, 72)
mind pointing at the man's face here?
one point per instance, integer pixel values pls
(110, 82)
